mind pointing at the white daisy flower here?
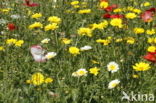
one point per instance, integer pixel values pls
(80, 72)
(112, 67)
(113, 84)
(50, 55)
(87, 47)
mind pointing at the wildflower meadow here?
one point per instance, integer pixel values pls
(77, 51)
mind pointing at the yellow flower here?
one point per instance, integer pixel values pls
(101, 25)
(84, 11)
(117, 10)
(135, 76)
(2, 48)
(103, 4)
(116, 22)
(36, 25)
(131, 15)
(54, 19)
(130, 8)
(138, 30)
(150, 32)
(76, 6)
(19, 43)
(36, 15)
(151, 49)
(28, 81)
(151, 40)
(48, 80)
(141, 66)
(119, 40)
(5, 10)
(66, 41)
(37, 79)
(95, 62)
(130, 40)
(74, 3)
(104, 41)
(74, 50)
(52, 26)
(146, 4)
(11, 41)
(138, 11)
(94, 70)
(85, 31)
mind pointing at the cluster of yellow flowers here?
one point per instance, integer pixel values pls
(84, 11)
(100, 25)
(104, 41)
(150, 31)
(54, 21)
(152, 40)
(77, 4)
(88, 30)
(16, 42)
(38, 79)
(108, 40)
(127, 9)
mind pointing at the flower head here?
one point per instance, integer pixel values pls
(37, 79)
(54, 19)
(116, 22)
(112, 67)
(87, 47)
(85, 31)
(50, 55)
(36, 25)
(94, 70)
(141, 66)
(52, 26)
(48, 80)
(113, 84)
(36, 15)
(74, 50)
(80, 72)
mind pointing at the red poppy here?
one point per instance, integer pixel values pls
(27, 3)
(152, 10)
(110, 8)
(107, 15)
(11, 26)
(150, 56)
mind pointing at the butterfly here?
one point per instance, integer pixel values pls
(38, 53)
